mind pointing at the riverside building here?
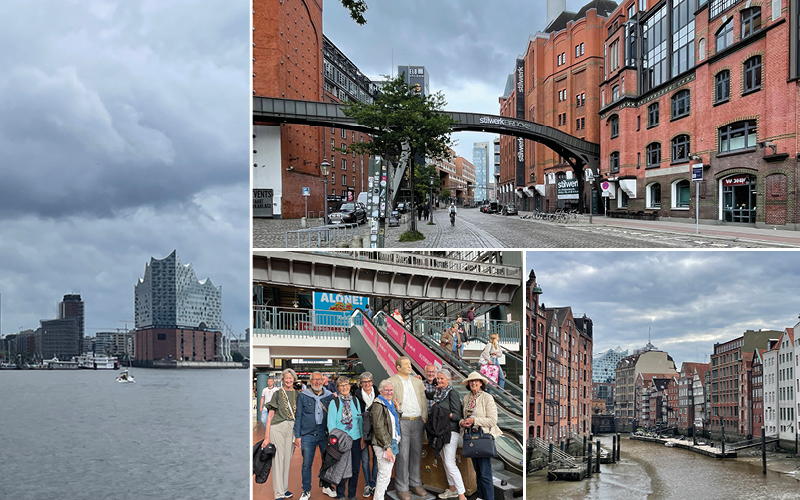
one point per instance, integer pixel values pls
(711, 83)
(627, 403)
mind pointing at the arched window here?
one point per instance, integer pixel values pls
(722, 86)
(725, 36)
(653, 155)
(652, 115)
(681, 104)
(613, 162)
(751, 21)
(614, 122)
(653, 193)
(752, 74)
(680, 148)
(680, 194)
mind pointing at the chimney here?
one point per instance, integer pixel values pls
(554, 8)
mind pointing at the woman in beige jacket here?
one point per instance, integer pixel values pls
(480, 411)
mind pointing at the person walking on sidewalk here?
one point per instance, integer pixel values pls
(311, 430)
(409, 396)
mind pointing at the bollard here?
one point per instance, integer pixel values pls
(763, 451)
(619, 446)
(561, 446)
(589, 464)
(303, 222)
(613, 449)
(550, 454)
(723, 441)
(584, 446)
(598, 456)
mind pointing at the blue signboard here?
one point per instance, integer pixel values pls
(697, 172)
(337, 304)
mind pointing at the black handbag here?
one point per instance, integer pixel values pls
(478, 445)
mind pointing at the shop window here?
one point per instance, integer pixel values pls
(737, 136)
(751, 21)
(652, 115)
(653, 155)
(752, 74)
(654, 195)
(680, 194)
(680, 148)
(681, 104)
(613, 162)
(725, 36)
(722, 86)
(614, 122)
(622, 199)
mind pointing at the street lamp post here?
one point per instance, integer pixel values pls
(430, 181)
(325, 169)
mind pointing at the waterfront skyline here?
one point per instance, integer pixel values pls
(124, 135)
(688, 300)
(467, 57)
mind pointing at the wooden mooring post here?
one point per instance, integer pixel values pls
(614, 448)
(589, 467)
(763, 451)
(619, 446)
(598, 456)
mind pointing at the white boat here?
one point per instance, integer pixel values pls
(125, 378)
(669, 444)
(92, 362)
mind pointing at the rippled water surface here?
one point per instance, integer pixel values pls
(654, 472)
(78, 434)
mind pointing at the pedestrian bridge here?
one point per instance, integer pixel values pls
(419, 276)
(578, 151)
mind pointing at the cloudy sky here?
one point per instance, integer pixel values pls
(469, 47)
(689, 300)
(123, 135)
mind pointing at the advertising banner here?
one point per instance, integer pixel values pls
(520, 98)
(334, 308)
(370, 333)
(419, 353)
(395, 330)
(387, 356)
(567, 189)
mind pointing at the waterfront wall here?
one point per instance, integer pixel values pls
(188, 364)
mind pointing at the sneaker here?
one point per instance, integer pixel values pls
(367, 491)
(329, 491)
(288, 494)
(448, 494)
(306, 495)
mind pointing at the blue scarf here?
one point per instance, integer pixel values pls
(389, 406)
(318, 412)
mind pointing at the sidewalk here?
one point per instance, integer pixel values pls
(776, 237)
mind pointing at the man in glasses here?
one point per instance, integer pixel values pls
(366, 395)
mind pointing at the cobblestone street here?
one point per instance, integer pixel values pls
(474, 229)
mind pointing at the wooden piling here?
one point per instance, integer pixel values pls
(614, 448)
(763, 451)
(589, 468)
(598, 456)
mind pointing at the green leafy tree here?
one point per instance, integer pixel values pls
(422, 180)
(403, 116)
(357, 9)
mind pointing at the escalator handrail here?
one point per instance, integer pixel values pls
(516, 388)
(510, 402)
(482, 338)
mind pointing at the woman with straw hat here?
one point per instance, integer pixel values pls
(480, 410)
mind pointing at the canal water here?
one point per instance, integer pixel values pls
(174, 434)
(654, 472)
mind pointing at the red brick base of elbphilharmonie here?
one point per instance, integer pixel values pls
(176, 344)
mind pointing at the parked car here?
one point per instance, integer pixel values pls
(488, 209)
(509, 210)
(401, 208)
(348, 213)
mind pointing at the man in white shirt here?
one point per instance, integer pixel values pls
(409, 396)
(266, 395)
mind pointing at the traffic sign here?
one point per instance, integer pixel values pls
(697, 172)
(306, 191)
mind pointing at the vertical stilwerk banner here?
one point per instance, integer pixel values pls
(520, 77)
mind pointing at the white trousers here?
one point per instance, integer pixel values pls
(282, 436)
(450, 467)
(384, 473)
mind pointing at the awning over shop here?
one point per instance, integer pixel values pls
(527, 192)
(540, 189)
(519, 193)
(629, 186)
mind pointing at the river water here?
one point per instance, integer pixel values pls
(652, 471)
(174, 434)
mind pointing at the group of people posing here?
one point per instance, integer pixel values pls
(377, 430)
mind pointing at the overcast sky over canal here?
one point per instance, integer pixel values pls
(469, 47)
(124, 134)
(689, 300)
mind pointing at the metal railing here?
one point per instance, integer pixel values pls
(558, 455)
(508, 333)
(288, 322)
(325, 235)
(453, 262)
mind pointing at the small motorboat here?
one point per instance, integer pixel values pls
(125, 378)
(669, 444)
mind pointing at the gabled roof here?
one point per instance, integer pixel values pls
(604, 8)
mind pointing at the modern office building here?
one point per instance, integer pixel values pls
(604, 366)
(177, 316)
(484, 171)
(711, 84)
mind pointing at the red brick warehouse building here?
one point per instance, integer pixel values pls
(711, 82)
(292, 59)
(557, 84)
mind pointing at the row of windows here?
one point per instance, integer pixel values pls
(562, 58)
(751, 80)
(344, 181)
(681, 106)
(579, 50)
(580, 99)
(562, 95)
(344, 163)
(562, 119)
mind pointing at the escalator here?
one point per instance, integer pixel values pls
(380, 342)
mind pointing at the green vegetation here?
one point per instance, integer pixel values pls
(412, 235)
